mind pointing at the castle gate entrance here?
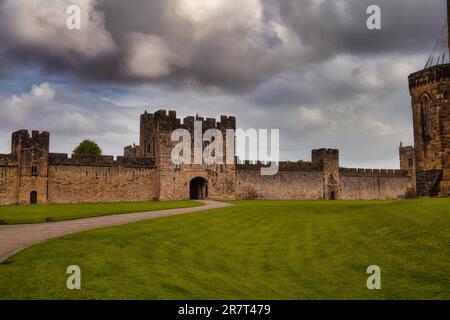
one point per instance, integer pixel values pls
(33, 197)
(198, 189)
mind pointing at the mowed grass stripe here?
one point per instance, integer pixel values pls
(60, 212)
(254, 250)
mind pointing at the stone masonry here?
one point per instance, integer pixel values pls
(430, 92)
(32, 174)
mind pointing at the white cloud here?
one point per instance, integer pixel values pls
(212, 16)
(16, 109)
(51, 108)
(30, 24)
(312, 118)
(341, 120)
(376, 128)
(149, 56)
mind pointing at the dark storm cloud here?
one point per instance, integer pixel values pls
(228, 44)
(331, 27)
(308, 67)
(213, 43)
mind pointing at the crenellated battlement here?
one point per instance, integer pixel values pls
(407, 149)
(22, 140)
(429, 76)
(328, 159)
(321, 156)
(99, 161)
(163, 120)
(7, 160)
(360, 172)
(283, 166)
(325, 151)
(132, 151)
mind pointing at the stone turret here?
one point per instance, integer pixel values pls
(174, 179)
(408, 164)
(328, 161)
(32, 154)
(430, 93)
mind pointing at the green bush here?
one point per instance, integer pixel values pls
(88, 147)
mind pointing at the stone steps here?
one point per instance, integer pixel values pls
(428, 183)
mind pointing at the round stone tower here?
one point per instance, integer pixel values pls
(430, 92)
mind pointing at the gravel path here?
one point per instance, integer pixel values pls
(14, 238)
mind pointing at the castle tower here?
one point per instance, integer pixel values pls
(31, 153)
(430, 92)
(328, 160)
(408, 163)
(184, 181)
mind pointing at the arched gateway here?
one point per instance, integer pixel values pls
(198, 188)
(33, 197)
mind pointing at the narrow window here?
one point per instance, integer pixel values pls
(410, 162)
(154, 147)
(426, 119)
(34, 171)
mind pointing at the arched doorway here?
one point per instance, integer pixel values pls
(33, 197)
(333, 195)
(198, 189)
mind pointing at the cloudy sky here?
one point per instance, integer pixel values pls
(308, 67)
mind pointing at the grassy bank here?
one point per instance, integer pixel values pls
(59, 212)
(254, 250)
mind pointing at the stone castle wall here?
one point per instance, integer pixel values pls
(56, 178)
(100, 179)
(297, 182)
(307, 181)
(374, 184)
(8, 179)
(147, 172)
(77, 184)
(309, 186)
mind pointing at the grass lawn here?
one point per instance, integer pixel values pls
(254, 250)
(58, 212)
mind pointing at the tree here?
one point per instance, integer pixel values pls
(88, 147)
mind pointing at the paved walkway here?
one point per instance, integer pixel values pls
(14, 238)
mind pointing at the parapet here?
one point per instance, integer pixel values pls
(430, 75)
(23, 139)
(359, 172)
(7, 160)
(319, 155)
(282, 165)
(163, 120)
(135, 162)
(325, 151)
(99, 161)
(131, 151)
(407, 149)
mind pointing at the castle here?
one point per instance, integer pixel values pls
(31, 174)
